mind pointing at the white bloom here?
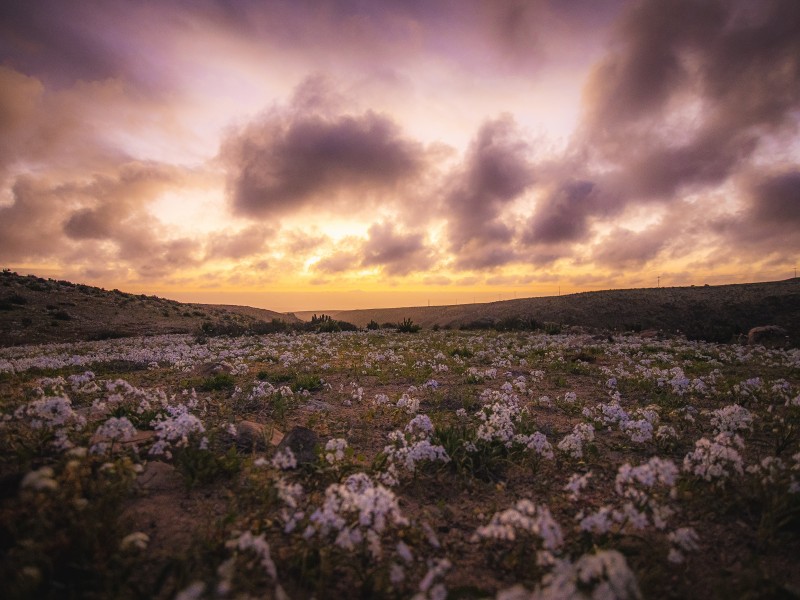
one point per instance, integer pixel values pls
(714, 460)
(604, 575)
(113, 430)
(572, 444)
(285, 459)
(356, 511)
(524, 517)
(576, 484)
(334, 450)
(731, 419)
(682, 540)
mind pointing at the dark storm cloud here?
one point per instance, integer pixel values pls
(768, 226)
(562, 216)
(734, 63)
(775, 200)
(397, 253)
(688, 94)
(29, 226)
(495, 172)
(291, 158)
(55, 41)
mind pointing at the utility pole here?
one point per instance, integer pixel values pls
(659, 281)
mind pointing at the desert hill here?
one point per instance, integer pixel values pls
(37, 310)
(716, 313)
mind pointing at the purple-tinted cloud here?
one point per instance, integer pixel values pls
(562, 216)
(496, 171)
(397, 253)
(291, 159)
(775, 200)
(247, 242)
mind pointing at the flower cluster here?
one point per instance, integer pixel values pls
(643, 492)
(572, 444)
(498, 417)
(715, 460)
(605, 574)
(731, 419)
(409, 447)
(113, 430)
(175, 430)
(335, 451)
(356, 513)
(529, 520)
(284, 460)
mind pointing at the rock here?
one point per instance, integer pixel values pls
(160, 477)
(253, 436)
(770, 336)
(303, 444)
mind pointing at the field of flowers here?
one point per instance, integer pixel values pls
(449, 464)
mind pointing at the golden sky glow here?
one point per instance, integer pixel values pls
(324, 155)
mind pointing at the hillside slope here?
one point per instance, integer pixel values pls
(710, 312)
(37, 310)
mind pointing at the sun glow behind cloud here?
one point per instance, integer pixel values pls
(339, 155)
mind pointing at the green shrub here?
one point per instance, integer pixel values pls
(407, 326)
(218, 382)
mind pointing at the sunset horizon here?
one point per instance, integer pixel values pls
(339, 155)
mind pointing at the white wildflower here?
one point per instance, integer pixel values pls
(576, 484)
(285, 459)
(335, 450)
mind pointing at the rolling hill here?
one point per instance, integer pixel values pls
(37, 310)
(716, 313)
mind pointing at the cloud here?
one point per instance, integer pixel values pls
(775, 200)
(30, 225)
(562, 216)
(686, 98)
(338, 262)
(240, 244)
(623, 248)
(690, 91)
(495, 172)
(56, 40)
(397, 253)
(103, 219)
(297, 157)
(766, 229)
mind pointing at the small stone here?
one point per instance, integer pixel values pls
(303, 443)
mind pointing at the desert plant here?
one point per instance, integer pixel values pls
(407, 326)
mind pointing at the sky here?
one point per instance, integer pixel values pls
(303, 155)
